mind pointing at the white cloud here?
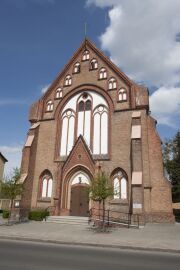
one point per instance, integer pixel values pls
(141, 39)
(44, 88)
(13, 154)
(165, 104)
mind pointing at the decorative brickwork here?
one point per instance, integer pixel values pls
(133, 143)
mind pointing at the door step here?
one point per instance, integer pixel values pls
(72, 220)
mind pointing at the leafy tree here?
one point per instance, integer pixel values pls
(100, 190)
(11, 187)
(171, 156)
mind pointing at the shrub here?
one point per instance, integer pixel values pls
(6, 214)
(38, 215)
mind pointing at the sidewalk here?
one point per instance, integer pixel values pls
(162, 237)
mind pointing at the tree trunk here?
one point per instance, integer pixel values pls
(103, 213)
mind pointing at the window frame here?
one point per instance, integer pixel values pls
(68, 80)
(120, 175)
(122, 91)
(85, 55)
(49, 106)
(46, 175)
(103, 71)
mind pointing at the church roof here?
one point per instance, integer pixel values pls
(4, 159)
(88, 44)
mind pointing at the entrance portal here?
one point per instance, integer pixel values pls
(79, 198)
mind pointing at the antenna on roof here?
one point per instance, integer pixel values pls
(85, 29)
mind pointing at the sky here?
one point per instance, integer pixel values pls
(38, 37)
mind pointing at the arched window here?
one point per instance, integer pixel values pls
(49, 106)
(46, 186)
(68, 80)
(100, 119)
(59, 93)
(120, 185)
(93, 64)
(84, 117)
(77, 67)
(85, 55)
(112, 84)
(67, 134)
(122, 95)
(102, 73)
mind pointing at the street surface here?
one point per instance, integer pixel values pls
(22, 255)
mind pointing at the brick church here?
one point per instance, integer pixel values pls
(94, 118)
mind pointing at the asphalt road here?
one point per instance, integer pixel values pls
(36, 256)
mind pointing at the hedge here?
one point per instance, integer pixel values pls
(6, 214)
(38, 215)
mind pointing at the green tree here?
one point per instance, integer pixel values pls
(11, 188)
(100, 190)
(171, 157)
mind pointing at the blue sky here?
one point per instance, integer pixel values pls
(38, 37)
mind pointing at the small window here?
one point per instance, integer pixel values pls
(77, 68)
(68, 80)
(112, 83)
(59, 93)
(102, 74)
(50, 106)
(93, 64)
(81, 106)
(47, 183)
(120, 186)
(88, 105)
(85, 55)
(122, 95)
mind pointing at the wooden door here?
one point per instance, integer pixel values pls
(79, 200)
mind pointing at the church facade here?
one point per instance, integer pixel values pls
(94, 118)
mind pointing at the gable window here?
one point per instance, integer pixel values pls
(120, 185)
(49, 106)
(59, 93)
(68, 80)
(102, 74)
(85, 55)
(93, 64)
(67, 134)
(46, 185)
(100, 120)
(122, 95)
(112, 84)
(84, 117)
(77, 67)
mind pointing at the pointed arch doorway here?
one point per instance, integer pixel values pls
(79, 197)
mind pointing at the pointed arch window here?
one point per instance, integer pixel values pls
(67, 134)
(49, 106)
(112, 84)
(100, 120)
(84, 117)
(102, 74)
(77, 68)
(85, 56)
(46, 186)
(59, 93)
(122, 94)
(120, 185)
(93, 64)
(68, 80)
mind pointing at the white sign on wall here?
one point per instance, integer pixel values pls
(137, 205)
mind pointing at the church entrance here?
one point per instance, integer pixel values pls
(79, 200)
(79, 197)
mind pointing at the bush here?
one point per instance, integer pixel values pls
(38, 215)
(177, 214)
(6, 214)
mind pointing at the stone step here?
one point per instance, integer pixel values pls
(73, 220)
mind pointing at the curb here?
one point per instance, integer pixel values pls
(58, 242)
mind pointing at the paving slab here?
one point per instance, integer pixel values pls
(164, 237)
